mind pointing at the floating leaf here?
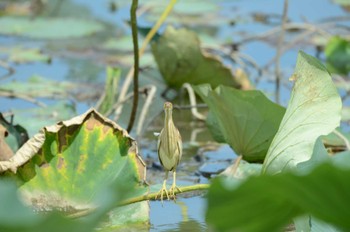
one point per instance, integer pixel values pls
(48, 28)
(195, 7)
(345, 4)
(314, 109)
(246, 120)
(267, 203)
(35, 117)
(337, 53)
(23, 55)
(342, 2)
(180, 60)
(189, 13)
(38, 86)
(65, 165)
(121, 44)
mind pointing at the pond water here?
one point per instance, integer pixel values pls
(202, 157)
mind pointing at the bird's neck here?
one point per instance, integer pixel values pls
(168, 121)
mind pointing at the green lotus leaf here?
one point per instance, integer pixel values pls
(342, 2)
(16, 216)
(195, 7)
(65, 165)
(38, 86)
(48, 28)
(269, 202)
(180, 60)
(314, 109)
(20, 54)
(246, 120)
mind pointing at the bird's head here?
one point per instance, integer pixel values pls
(168, 107)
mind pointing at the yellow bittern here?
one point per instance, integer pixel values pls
(169, 150)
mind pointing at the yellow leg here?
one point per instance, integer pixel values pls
(163, 189)
(174, 187)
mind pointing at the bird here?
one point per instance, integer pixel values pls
(169, 150)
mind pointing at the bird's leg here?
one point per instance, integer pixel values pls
(163, 189)
(174, 187)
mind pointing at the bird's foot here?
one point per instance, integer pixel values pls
(161, 193)
(172, 191)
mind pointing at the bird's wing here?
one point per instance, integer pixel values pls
(158, 147)
(179, 147)
(170, 160)
(159, 136)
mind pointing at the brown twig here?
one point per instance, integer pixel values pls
(151, 91)
(9, 69)
(10, 94)
(133, 18)
(148, 38)
(318, 28)
(279, 51)
(192, 97)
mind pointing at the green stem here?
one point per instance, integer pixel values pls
(146, 197)
(133, 18)
(156, 26)
(152, 196)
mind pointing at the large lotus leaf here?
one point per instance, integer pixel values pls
(337, 53)
(65, 165)
(15, 216)
(319, 156)
(180, 60)
(314, 109)
(48, 28)
(246, 120)
(268, 202)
